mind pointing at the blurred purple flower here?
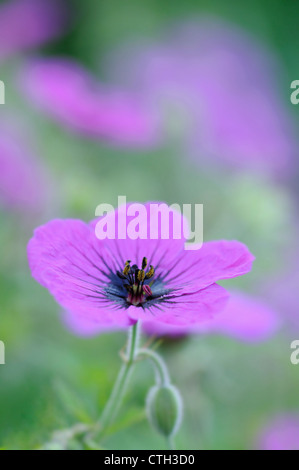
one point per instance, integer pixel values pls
(282, 433)
(222, 86)
(113, 283)
(244, 318)
(70, 95)
(21, 185)
(28, 23)
(284, 295)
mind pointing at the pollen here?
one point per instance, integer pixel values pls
(141, 275)
(135, 281)
(127, 268)
(150, 273)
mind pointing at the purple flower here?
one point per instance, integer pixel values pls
(21, 179)
(220, 85)
(115, 282)
(73, 97)
(283, 290)
(282, 433)
(28, 23)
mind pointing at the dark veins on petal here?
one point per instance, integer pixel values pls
(140, 287)
(136, 286)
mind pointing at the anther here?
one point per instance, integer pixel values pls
(126, 270)
(141, 275)
(150, 273)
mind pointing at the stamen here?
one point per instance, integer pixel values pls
(141, 275)
(134, 278)
(121, 275)
(150, 273)
(127, 268)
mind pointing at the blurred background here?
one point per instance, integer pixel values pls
(183, 102)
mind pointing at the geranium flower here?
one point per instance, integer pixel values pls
(282, 433)
(72, 96)
(21, 178)
(28, 23)
(216, 88)
(116, 282)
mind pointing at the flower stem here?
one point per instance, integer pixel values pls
(121, 383)
(170, 443)
(160, 366)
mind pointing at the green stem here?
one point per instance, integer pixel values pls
(160, 366)
(170, 443)
(121, 383)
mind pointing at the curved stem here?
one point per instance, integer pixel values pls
(160, 366)
(121, 383)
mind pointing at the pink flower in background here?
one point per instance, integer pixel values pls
(21, 179)
(282, 433)
(244, 318)
(68, 93)
(218, 87)
(115, 282)
(28, 23)
(283, 290)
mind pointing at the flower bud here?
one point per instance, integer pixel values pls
(164, 409)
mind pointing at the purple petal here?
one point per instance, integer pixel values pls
(66, 258)
(21, 179)
(85, 326)
(187, 309)
(244, 318)
(28, 23)
(212, 262)
(159, 252)
(282, 433)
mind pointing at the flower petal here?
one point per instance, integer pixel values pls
(159, 251)
(66, 258)
(244, 318)
(73, 97)
(282, 433)
(187, 309)
(212, 262)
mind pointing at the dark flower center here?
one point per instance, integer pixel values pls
(136, 282)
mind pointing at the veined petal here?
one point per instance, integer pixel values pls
(66, 258)
(214, 261)
(186, 309)
(244, 318)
